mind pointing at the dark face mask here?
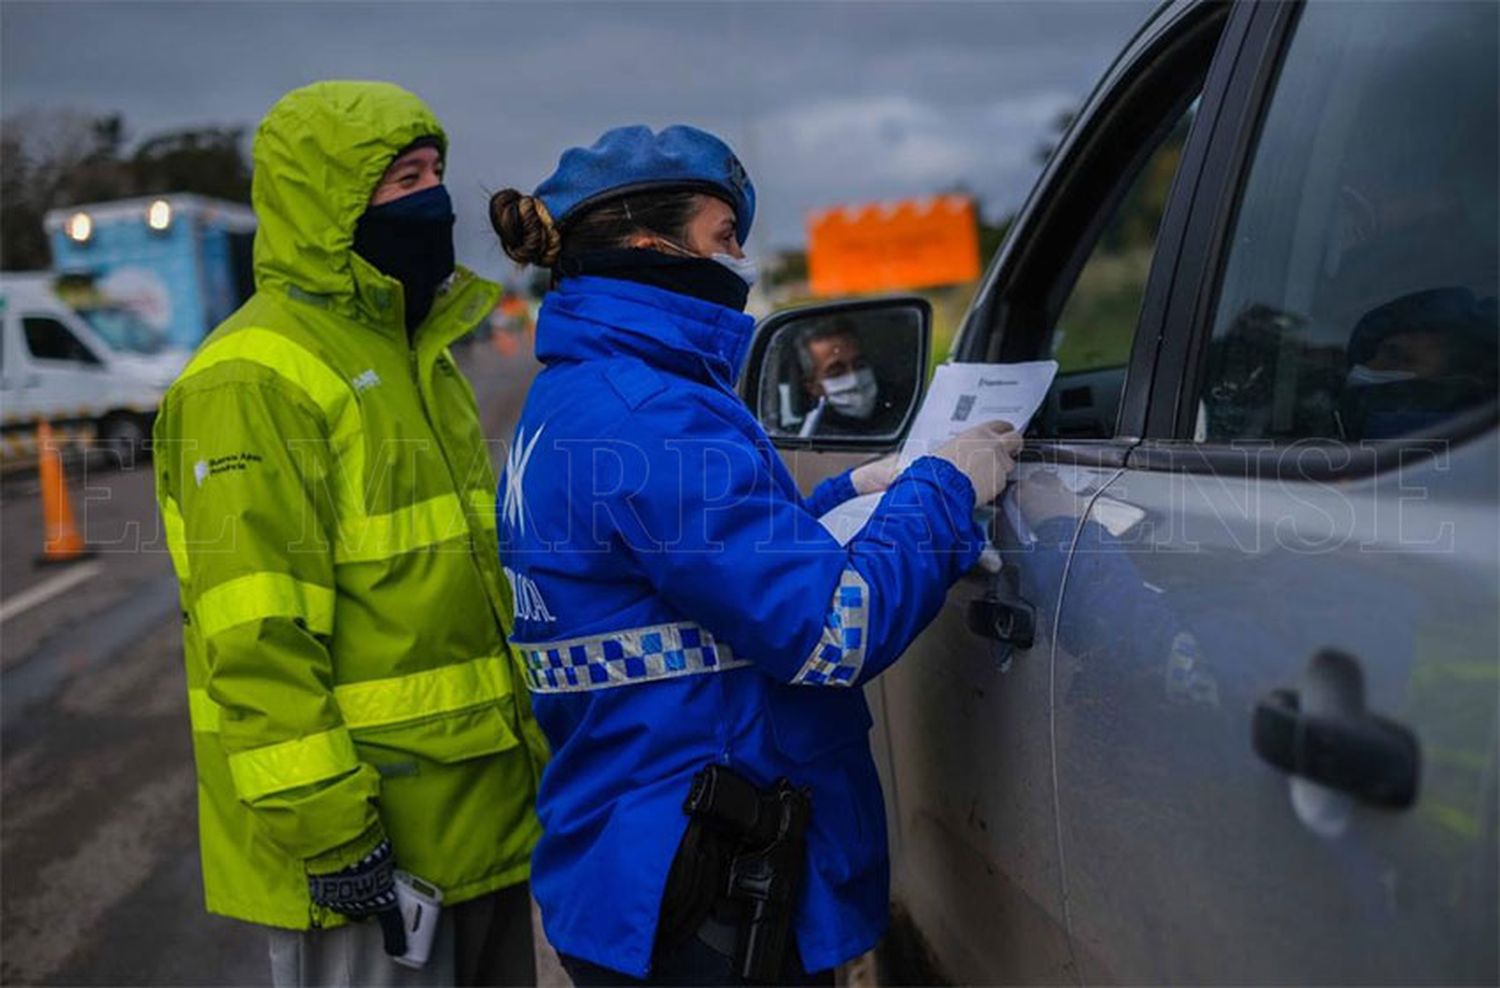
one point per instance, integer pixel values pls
(1408, 408)
(410, 239)
(698, 277)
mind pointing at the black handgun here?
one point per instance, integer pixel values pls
(765, 874)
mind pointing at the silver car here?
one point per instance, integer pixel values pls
(1228, 711)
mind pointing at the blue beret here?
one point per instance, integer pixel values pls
(632, 159)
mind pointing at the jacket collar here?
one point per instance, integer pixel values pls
(460, 305)
(591, 318)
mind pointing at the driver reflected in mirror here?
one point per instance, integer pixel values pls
(845, 395)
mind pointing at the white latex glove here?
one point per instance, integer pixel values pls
(985, 455)
(876, 475)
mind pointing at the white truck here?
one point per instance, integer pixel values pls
(54, 367)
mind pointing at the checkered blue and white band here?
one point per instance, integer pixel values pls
(619, 658)
(666, 651)
(840, 653)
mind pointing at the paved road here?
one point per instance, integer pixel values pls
(99, 874)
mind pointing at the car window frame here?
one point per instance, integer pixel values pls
(1093, 142)
(1193, 297)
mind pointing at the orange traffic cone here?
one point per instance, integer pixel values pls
(63, 543)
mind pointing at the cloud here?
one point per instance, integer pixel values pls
(827, 102)
(895, 146)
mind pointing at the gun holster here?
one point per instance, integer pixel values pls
(743, 856)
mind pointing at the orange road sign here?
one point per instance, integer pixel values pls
(915, 243)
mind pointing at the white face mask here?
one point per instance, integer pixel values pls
(852, 394)
(745, 267)
(1361, 376)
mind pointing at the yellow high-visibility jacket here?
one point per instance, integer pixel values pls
(329, 506)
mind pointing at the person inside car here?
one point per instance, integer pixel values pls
(1417, 360)
(846, 396)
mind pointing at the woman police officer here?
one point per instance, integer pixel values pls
(677, 603)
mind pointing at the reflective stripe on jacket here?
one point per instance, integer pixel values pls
(678, 603)
(328, 502)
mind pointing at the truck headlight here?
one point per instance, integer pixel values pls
(159, 215)
(79, 228)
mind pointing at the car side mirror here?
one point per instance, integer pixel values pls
(840, 375)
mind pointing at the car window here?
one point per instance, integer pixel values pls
(1093, 334)
(123, 330)
(1358, 296)
(48, 339)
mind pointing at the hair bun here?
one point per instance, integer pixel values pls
(525, 228)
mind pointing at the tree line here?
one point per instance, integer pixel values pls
(52, 159)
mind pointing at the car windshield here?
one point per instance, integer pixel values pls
(123, 330)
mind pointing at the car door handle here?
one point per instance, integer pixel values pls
(1367, 756)
(1002, 613)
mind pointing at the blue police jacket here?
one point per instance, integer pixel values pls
(677, 603)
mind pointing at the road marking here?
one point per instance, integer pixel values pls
(47, 589)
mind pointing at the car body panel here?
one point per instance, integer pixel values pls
(967, 722)
(1190, 860)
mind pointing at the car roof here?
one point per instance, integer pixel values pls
(28, 288)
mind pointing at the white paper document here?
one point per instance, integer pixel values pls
(847, 519)
(960, 397)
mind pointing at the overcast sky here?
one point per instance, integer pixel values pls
(826, 103)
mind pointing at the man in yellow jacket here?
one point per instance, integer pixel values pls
(329, 506)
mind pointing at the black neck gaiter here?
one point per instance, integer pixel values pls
(410, 239)
(697, 277)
